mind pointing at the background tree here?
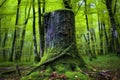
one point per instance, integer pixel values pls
(114, 33)
(37, 57)
(24, 29)
(15, 35)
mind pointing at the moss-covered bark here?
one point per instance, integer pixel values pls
(60, 42)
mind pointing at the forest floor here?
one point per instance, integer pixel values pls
(11, 71)
(105, 67)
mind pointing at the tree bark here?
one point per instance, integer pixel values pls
(41, 29)
(114, 34)
(115, 7)
(43, 10)
(60, 41)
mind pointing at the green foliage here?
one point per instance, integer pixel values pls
(96, 9)
(50, 53)
(46, 76)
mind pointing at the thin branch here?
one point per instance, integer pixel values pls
(78, 8)
(3, 3)
(115, 7)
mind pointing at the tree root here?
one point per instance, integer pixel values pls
(52, 59)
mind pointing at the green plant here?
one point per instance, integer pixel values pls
(76, 75)
(33, 76)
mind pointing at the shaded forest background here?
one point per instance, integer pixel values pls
(21, 27)
(23, 37)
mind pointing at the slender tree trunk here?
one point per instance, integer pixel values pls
(0, 31)
(86, 40)
(115, 7)
(3, 3)
(100, 36)
(88, 35)
(41, 29)
(4, 50)
(114, 40)
(13, 44)
(106, 37)
(37, 58)
(15, 32)
(43, 9)
(30, 52)
(24, 29)
(67, 4)
(92, 33)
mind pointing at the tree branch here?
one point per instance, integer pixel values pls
(3, 3)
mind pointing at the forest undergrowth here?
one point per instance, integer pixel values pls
(105, 67)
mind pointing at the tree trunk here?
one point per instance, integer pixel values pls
(60, 42)
(114, 33)
(15, 32)
(24, 29)
(4, 42)
(67, 4)
(43, 10)
(115, 6)
(106, 38)
(0, 31)
(37, 58)
(88, 34)
(3, 3)
(60, 32)
(93, 39)
(100, 36)
(41, 29)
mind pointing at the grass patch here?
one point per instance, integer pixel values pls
(109, 61)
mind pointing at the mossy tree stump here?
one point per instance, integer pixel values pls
(60, 42)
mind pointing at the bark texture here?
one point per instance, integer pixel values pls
(59, 36)
(60, 42)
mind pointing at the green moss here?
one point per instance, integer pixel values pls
(33, 76)
(70, 75)
(61, 68)
(76, 76)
